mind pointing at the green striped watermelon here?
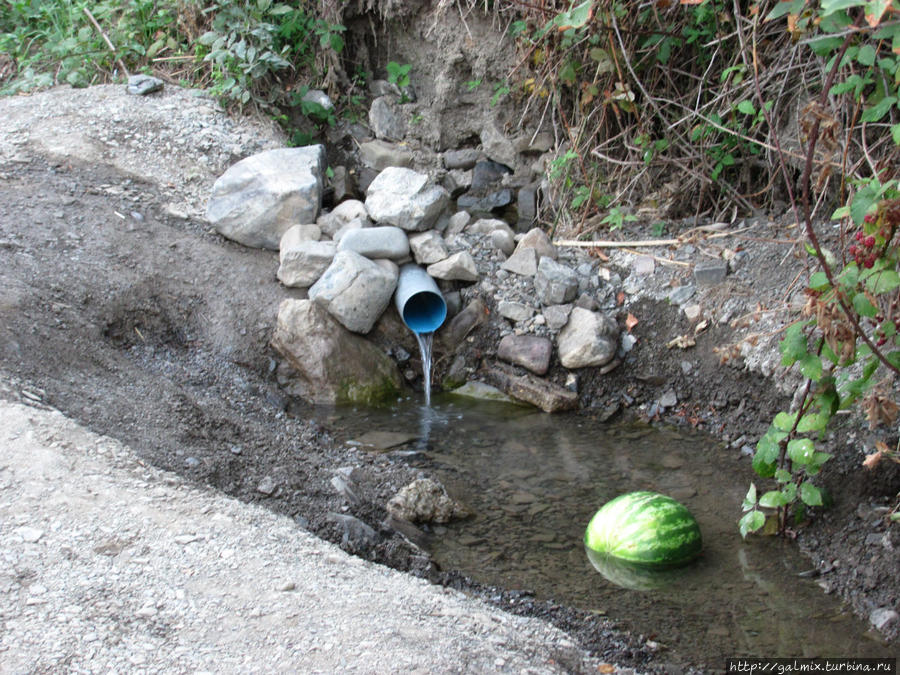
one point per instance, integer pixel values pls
(645, 528)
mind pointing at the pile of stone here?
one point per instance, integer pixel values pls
(346, 262)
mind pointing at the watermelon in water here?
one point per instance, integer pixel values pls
(645, 528)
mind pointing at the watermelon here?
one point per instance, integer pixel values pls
(645, 529)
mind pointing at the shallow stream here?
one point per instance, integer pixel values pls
(534, 481)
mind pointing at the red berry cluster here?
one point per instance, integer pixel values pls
(863, 251)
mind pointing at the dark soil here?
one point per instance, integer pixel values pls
(154, 330)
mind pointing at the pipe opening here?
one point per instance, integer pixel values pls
(424, 312)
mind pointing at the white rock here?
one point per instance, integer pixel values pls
(377, 242)
(405, 198)
(256, 200)
(340, 215)
(588, 339)
(514, 311)
(30, 535)
(294, 235)
(304, 262)
(459, 266)
(428, 247)
(354, 290)
(522, 261)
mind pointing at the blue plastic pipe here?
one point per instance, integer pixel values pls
(419, 301)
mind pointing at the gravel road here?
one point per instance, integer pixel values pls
(108, 565)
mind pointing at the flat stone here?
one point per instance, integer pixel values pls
(377, 242)
(257, 199)
(428, 247)
(406, 199)
(380, 155)
(557, 315)
(679, 296)
(523, 262)
(482, 392)
(710, 273)
(529, 351)
(305, 262)
(459, 266)
(379, 441)
(141, 85)
(514, 311)
(354, 290)
(554, 283)
(588, 339)
(540, 393)
(463, 158)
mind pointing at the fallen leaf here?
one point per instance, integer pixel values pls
(620, 298)
(606, 668)
(700, 327)
(871, 461)
(631, 321)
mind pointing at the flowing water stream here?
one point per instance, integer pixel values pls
(426, 341)
(534, 480)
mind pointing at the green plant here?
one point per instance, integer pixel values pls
(617, 217)
(501, 89)
(848, 345)
(398, 74)
(472, 85)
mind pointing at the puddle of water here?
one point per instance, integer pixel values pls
(535, 480)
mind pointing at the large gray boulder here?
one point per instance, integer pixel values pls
(256, 200)
(355, 290)
(588, 339)
(405, 198)
(303, 262)
(329, 364)
(555, 284)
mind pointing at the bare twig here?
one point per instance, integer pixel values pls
(106, 40)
